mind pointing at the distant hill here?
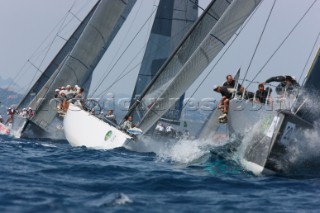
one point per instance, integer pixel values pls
(8, 98)
(10, 85)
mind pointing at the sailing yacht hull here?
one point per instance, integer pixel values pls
(279, 150)
(83, 129)
(244, 115)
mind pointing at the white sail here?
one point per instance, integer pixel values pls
(182, 53)
(172, 21)
(81, 61)
(188, 72)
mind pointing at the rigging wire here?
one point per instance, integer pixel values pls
(314, 46)
(18, 75)
(122, 74)
(119, 48)
(159, 47)
(20, 72)
(63, 23)
(119, 77)
(225, 51)
(47, 51)
(289, 34)
(140, 29)
(260, 38)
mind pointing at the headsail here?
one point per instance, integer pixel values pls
(173, 20)
(81, 61)
(186, 64)
(182, 53)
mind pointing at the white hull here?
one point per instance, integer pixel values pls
(255, 168)
(83, 129)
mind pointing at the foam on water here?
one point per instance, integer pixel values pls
(302, 150)
(183, 151)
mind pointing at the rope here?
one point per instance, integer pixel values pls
(122, 74)
(283, 41)
(259, 41)
(118, 49)
(104, 78)
(310, 54)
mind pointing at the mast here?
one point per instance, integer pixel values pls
(87, 52)
(173, 20)
(192, 57)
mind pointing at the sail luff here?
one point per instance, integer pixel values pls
(203, 24)
(80, 63)
(220, 34)
(57, 60)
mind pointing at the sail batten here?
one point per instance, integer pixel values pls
(156, 99)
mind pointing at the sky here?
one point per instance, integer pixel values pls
(25, 26)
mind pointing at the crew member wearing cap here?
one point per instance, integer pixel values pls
(231, 83)
(224, 102)
(287, 83)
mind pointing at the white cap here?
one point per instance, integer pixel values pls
(215, 87)
(68, 86)
(57, 90)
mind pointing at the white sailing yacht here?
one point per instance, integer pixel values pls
(172, 21)
(199, 47)
(287, 133)
(73, 65)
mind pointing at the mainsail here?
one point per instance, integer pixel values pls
(79, 64)
(173, 20)
(211, 33)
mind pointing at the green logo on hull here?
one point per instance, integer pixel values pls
(108, 135)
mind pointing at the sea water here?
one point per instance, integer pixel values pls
(188, 176)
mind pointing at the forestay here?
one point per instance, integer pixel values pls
(80, 63)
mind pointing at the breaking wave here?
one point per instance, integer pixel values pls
(183, 151)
